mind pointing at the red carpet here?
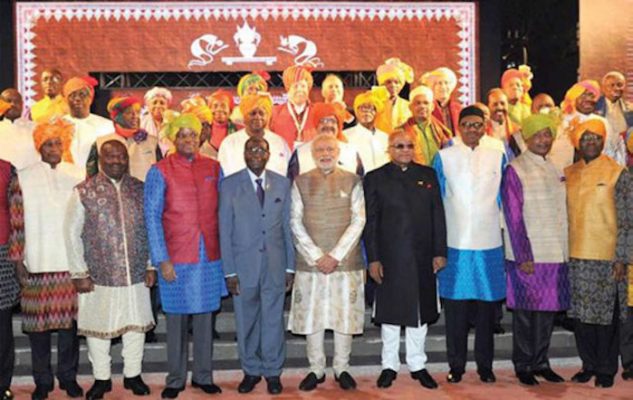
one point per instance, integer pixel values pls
(404, 388)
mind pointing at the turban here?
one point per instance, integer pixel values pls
(158, 92)
(118, 105)
(297, 73)
(569, 103)
(4, 107)
(471, 110)
(223, 96)
(536, 123)
(175, 122)
(323, 110)
(510, 74)
(376, 97)
(197, 106)
(421, 90)
(258, 78)
(55, 129)
(252, 101)
(430, 78)
(394, 68)
(77, 83)
(594, 124)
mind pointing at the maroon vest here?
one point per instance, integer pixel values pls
(5, 181)
(191, 207)
(108, 218)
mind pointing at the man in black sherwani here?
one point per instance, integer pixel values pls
(405, 238)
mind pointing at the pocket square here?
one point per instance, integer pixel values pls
(277, 200)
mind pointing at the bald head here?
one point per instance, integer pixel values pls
(13, 97)
(542, 101)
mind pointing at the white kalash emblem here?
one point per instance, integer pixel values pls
(247, 40)
(205, 48)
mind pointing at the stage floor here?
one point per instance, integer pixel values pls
(404, 388)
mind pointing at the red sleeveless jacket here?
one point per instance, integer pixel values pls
(191, 207)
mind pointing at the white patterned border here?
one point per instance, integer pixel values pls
(29, 13)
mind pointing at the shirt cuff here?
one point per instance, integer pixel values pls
(290, 271)
(80, 275)
(230, 275)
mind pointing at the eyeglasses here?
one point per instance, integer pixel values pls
(590, 137)
(473, 125)
(402, 146)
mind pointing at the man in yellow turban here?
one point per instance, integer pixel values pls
(197, 106)
(16, 132)
(599, 199)
(293, 120)
(393, 75)
(256, 109)
(370, 142)
(52, 104)
(79, 93)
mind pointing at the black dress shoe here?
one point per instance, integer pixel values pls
(150, 337)
(498, 329)
(171, 393)
(273, 385)
(604, 381)
(216, 335)
(582, 376)
(6, 394)
(627, 374)
(345, 381)
(487, 376)
(99, 389)
(41, 392)
(310, 382)
(136, 385)
(72, 389)
(549, 375)
(424, 378)
(248, 383)
(210, 388)
(454, 377)
(527, 378)
(386, 378)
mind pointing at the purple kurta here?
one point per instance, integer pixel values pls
(547, 289)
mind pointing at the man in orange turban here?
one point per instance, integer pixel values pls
(79, 93)
(256, 109)
(221, 105)
(328, 119)
(293, 120)
(57, 129)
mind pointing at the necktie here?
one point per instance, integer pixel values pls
(260, 192)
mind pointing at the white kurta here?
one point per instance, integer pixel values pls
(45, 193)
(347, 159)
(16, 143)
(473, 178)
(372, 146)
(87, 130)
(231, 153)
(335, 301)
(107, 311)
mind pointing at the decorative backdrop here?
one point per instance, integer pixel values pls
(79, 38)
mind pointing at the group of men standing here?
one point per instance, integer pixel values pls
(449, 208)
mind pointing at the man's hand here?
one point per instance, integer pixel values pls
(438, 264)
(150, 278)
(619, 272)
(527, 267)
(84, 285)
(167, 271)
(233, 284)
(376, 271)
(327, 264)
(21, 273)
(290, 279)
